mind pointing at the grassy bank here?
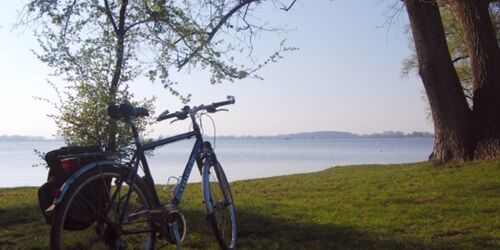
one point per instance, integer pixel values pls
(415, 206)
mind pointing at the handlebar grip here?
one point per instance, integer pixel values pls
(173, 115)
(186, 110)
(181, 115)
(162, 116)
(230, 100)
(165, 116)
(218, 104)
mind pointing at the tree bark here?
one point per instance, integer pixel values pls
(452, 117)
(482, 45)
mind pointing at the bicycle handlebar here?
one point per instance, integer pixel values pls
(187, 111)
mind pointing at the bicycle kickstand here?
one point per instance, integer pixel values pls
(175, 229)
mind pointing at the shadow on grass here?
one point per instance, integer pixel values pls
(256, 231)
(23, 227)
(12, 216)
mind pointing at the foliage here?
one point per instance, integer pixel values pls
(414, 206)
(98, 47)
(158, 35)
(82, 119)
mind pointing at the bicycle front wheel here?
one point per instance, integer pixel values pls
(219, 204)
(95, 213)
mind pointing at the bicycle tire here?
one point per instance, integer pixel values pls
(219, 204)
(103, 233)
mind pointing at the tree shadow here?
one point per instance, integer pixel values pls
(258, 231)
(12, 216)
(255, 231)
(23, 227)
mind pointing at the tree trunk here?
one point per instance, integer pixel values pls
(452, 117)
(482, 46)
(115, 81)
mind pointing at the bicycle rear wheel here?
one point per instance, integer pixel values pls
(219, 204)
(89, 215)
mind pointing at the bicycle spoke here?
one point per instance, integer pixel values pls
(105, 185)
(223, 227)
(111, 204)
(88, 203)
(222, 207)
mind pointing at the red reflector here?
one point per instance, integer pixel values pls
(55, 192)
(69, 164)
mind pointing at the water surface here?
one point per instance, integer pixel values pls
(241, 158)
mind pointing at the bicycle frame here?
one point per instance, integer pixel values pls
(195, 156)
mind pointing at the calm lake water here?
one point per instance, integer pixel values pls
(241, 158)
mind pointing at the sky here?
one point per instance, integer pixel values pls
(344, 77)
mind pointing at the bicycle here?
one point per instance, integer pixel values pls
(124, 208)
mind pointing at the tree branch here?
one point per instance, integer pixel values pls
(214, 31)
(110, 16)
(68, 16)
(287, 8)
(137, 23)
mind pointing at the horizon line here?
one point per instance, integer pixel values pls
(384, 133)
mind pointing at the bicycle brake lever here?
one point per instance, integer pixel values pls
(176, 120)
(217, 110)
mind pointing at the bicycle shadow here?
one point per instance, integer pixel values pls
(257, 231)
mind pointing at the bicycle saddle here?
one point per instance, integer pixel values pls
(120, 111)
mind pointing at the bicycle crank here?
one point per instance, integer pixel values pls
(171, 223)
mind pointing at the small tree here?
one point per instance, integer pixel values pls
(100, 46)
(82, 118)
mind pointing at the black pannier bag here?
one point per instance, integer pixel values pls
(62, 164)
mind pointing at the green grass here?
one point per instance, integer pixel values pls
(414, 206)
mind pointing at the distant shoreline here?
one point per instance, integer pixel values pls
(22, 138)
(293, 136)
(337, 135)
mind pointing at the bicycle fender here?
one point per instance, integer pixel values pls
(67, 184)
